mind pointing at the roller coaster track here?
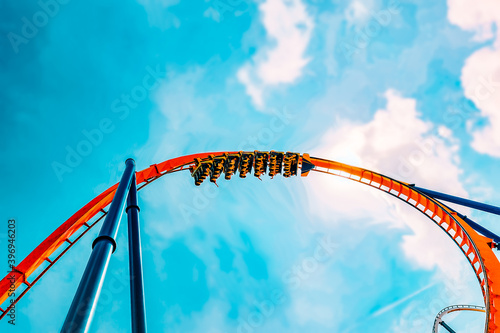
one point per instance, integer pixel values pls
(454, 308)
(476, 248)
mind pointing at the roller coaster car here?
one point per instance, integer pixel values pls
(217, 167)
(275, 163)
(246, 162)
(201, 171)
(197, 172)
(231, 165)
(260, 163)
(290, 164)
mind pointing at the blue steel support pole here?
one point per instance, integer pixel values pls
(84, 303)
(137, 298)
(460, 201)
(468, 203)
(485, 232)
(447, 327)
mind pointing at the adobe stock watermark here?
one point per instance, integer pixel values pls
(94, 137)
(267, 135)
(261, 140)
(114, 284)
(362, 38)
(418, 320)
(293, 279)
(416, 157)
(220, 8)
(31, 26)
(11, 264)
(409, 162)
(454, 117)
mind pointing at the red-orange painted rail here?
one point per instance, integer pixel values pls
(475, 247)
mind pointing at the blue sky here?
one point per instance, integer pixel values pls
(407, 88)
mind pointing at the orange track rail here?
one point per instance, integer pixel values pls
(476, 248)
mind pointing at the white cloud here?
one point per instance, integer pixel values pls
(481, 73)
(288, 28)
(481, 83)
(478, 17)
(358, 12)
(398, 143)
(305, 311)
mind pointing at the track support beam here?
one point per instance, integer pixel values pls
(460, 201)
(137, 298)
(479, 228)
(82, 308)
(448, 328)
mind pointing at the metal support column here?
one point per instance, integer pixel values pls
(448, 328)
(137, 299)
(468, 203)
(84, 303)
(460, 201)
(479, 228)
